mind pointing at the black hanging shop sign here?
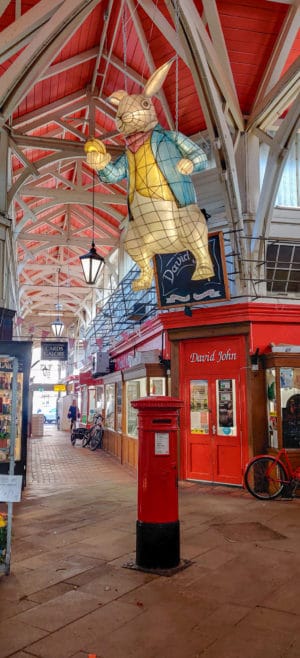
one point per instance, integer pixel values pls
(173, 277)
(53, 351)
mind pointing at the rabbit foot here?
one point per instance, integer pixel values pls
(203, 272)
(144, 281)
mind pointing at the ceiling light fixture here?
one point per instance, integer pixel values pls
(92, 263)
(57, 326)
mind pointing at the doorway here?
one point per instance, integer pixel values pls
(213, 390)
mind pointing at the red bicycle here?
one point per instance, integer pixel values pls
(268, 476)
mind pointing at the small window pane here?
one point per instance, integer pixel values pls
(282, 268)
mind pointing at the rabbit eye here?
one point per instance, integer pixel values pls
(145, 104)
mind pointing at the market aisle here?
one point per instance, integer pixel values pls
(71, 593)
(55, 465)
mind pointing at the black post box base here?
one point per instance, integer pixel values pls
(157, 545)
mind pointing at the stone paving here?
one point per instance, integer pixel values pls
(69, 594)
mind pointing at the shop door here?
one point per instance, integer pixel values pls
(213, 435)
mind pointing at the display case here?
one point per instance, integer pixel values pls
(141, 381)
(21, 350)
(6, 387)
(10, 484)
(283, 400)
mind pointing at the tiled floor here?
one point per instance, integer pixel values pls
(70, 593)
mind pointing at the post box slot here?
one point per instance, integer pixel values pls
(166, 421)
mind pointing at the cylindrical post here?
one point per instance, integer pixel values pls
(157, 528)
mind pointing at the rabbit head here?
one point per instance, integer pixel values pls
(136, 113)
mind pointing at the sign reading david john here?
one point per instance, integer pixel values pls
(54, 351)
(173, 277)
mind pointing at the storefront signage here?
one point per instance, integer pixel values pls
(10, 488)
(173, 276)
(54, 351)
(217, 356)
(59, 387)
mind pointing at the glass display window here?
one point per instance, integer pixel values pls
(110, 405)
(84, 404)
(283, 400)
(6, 380)
(119, 406)
(272, 408)
(100, 398)
(92, 404)
(226, 407)
(290, 406)
(199, 414)
(135, 389)
(157, 386)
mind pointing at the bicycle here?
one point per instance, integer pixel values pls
(267, 477)
(92, 436)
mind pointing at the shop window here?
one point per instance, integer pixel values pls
(135, 389)
(92, 404)
(272, 407)
(119, 407)
(157, 386)
(100, 398)
(110, 406)
(290, 406)
(6, 409)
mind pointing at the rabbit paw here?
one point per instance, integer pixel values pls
(96, 155)
(185, 166)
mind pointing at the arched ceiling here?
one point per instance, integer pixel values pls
(237, 70)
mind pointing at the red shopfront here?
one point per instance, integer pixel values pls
(219, 358)
(213, 388)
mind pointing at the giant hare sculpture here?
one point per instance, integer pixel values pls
(163, 212)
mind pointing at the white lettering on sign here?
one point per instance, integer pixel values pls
(181, 259)
(216, 356)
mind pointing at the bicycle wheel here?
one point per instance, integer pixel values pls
(265, 478)
(96, 440)
(85, 440)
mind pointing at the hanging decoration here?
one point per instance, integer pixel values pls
(163, 213)
(57, 325)
(92, 263)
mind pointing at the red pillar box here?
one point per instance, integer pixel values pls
(157, 538)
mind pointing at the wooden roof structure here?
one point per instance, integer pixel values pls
(236, 71)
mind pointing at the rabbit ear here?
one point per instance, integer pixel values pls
(157, 79)
(117, 96)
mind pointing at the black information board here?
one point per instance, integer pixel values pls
(54, 351)
(173, 277)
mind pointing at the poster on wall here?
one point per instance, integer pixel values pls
(199, 414)
(226, 406)
(173, 277)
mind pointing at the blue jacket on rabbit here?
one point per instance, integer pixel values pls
(168, 147)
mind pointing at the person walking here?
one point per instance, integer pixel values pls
(73, 414)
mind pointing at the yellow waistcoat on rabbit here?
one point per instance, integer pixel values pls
(145, 176)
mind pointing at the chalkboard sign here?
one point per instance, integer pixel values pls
(54, 351)
(173, 277)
